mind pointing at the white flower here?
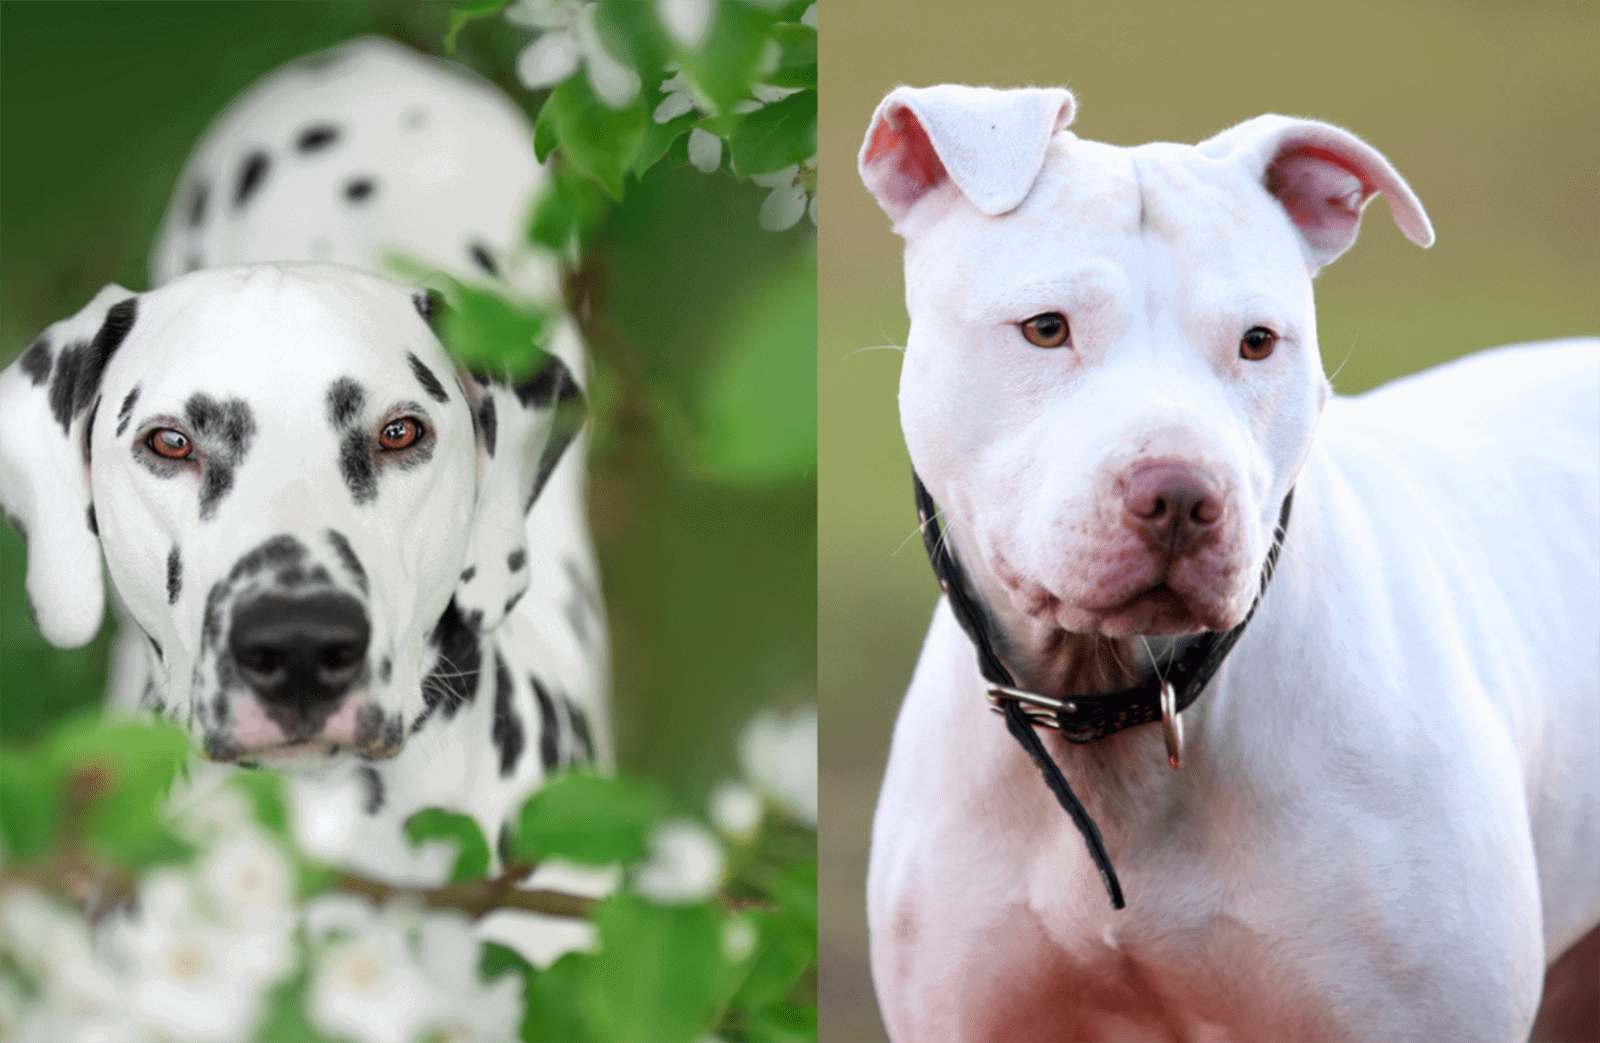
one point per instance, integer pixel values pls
(369, 989)
(80, 997)
(687, 21)
(685, 864)
(736, 809)
(570, 38)
(781, 210)
(189, 978)
(810, 17)
(739, 937)
(448, 951)
(705, 150)
(217, 814)
(780, 755)
(251, 882)
(338, 912)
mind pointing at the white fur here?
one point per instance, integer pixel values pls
(1388, 813)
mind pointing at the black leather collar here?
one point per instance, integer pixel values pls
(1082, 718)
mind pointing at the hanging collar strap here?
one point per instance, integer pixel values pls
(1084, 718)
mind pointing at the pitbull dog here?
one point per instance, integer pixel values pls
(320, 531)
(1388, 815)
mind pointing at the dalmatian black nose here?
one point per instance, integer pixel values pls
(300, 651)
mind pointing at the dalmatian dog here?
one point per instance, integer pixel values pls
(333, 550)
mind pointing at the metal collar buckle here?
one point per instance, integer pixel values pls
(1171, 725)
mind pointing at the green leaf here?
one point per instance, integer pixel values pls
(587, 818)
(658, 138)
(484, 331)
(572, 207)
(727, 60)
(786, 946)
(796, 892)
(545, 140)
(782, 1023)
(776, 135)
(265, 790)
(30, 807)
(798, 66)
(551, 1007)
(284, 1020)
(470, 11)
(472, 858)
(134, 765)
(599, 140)
(630, 32)
(658, 971)
(758, 412)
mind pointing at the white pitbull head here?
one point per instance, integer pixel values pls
(1112, 375)
(283, 471)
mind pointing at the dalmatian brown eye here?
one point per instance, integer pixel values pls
(1257, 343)
(1046, 331)
(174, 445)
(400, 434)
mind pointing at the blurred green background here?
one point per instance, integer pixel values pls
(710, 586)
(1491, 111)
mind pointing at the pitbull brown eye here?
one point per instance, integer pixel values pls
(174, 445)
(400, 434)
(1257, 343)
(1046, 331)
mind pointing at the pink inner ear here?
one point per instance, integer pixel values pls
(915, 166)
(1323, 194)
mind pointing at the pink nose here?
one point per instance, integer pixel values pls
(1170, 504)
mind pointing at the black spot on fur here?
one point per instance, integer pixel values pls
(428, 304)
(487, 423)
(385, 670)
(279, 553)
(174, 575)
(125, 412)
(211, 627)
(355, 463)
(552, 388)
(511, 602)
(507, 728)
(359, 190)
(425, 377)
(415, 118)
(503, 843)
(78, 371)
(475, 620)
(374, 783)
(345, 399)
(316, 138)
(483, 258)
(156, 645)
(63, 386)
(36, 361)
(468, 572)
(347, 557)
(225, 430)
(88, 432)
(516, 559)
(580, 730)
(252, 172)
(549, 739)
(197, 203)
(94, 524)
(193, 263)
(453, 682)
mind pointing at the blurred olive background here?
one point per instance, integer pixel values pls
(1491, 111)
(710, 587)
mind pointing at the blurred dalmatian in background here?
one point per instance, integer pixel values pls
(334, 551)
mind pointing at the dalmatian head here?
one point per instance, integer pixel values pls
(283, 474)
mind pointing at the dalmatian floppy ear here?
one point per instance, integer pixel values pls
(522, 433)
(1323, 176)
(48, 399)
(990, 143)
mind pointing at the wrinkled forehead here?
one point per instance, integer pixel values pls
(1099, 215)
(278, 334)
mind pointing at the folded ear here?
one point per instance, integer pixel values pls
(48, 399)
(1323, 176)
(991, 143)
(523, 430)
